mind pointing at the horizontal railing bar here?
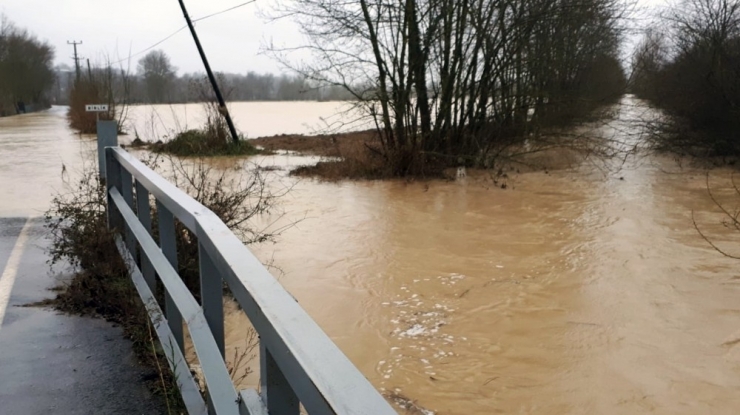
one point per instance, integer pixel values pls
(251, 403)
(184, 207)
(188, 387)
(303, 380)
(321, 375)
(220, 387)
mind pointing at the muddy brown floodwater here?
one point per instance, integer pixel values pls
(573, 291)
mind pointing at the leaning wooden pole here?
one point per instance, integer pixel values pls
(222, 104)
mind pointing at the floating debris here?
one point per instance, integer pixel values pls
(407, 404)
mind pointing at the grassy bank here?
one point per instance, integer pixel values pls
(353, 155)
(347, 156)
(360, 156)
(203, 143)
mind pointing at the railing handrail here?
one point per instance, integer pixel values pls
(320, 375)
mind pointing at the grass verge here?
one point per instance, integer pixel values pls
(102, 287)
(201, 143)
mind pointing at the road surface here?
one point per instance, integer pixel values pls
(56, 363)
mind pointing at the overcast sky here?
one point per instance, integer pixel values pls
(121, 27)
(231, 40)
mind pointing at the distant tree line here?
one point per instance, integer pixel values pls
(446, 80)
(690, 68)
(156, 81)
(26, 71)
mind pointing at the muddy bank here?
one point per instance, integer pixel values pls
(327, 145)
(351, 155)
(357, 155)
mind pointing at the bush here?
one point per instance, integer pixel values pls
(77, 222)
(214, 139)
(96, 88)
(80, 236)
(204, 143)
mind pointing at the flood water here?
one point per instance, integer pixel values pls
(253, 119)
(573, 291)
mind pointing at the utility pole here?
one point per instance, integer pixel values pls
(76, 58)
(222, 104)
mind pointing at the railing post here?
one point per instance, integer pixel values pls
(144, 212)
(127, 191)
(278, 396)
(168, 243)
(107, 137)
(211, 297)
(113, 179)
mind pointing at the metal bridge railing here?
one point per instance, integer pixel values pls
(299, 364)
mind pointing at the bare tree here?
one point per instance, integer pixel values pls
(158, 76)
(101, 84)
(446, 80)
(693, 73)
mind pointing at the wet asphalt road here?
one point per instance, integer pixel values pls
(55, 363)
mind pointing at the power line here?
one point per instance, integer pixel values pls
(179, 30)
(150, 47)
(224, 11)
(160, 42)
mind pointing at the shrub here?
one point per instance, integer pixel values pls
(100, 86)
(204, 143)
(214, 139)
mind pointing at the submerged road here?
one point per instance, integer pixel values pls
(56, 363)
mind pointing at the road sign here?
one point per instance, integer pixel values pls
(96, 107)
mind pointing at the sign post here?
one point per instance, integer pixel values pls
(107, 134)
(96, 107)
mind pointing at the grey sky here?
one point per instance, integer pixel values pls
(232, 40)
(116, 27)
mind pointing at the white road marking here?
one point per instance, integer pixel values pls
(11, 269)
